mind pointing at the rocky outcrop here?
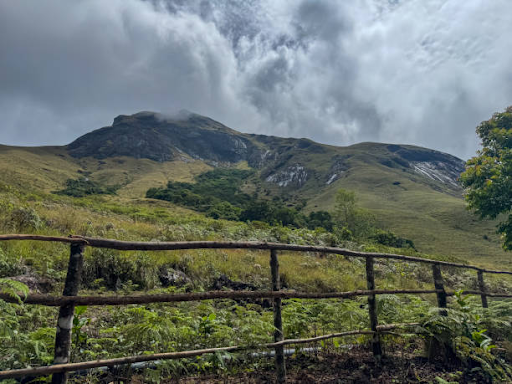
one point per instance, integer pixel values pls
(434, 165)
(294, 175)
(157, 137)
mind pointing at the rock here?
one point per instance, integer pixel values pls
(35, 283)
(225, 282)
(173, 277)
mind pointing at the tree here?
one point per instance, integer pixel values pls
(347, 214)
(345, 207)
(488, 176)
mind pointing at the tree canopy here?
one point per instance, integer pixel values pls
(488, 176)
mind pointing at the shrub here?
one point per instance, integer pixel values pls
(84, 187)
(391, 240)
(24, 219)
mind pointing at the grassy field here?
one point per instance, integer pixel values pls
(433, 215)
(27, 332)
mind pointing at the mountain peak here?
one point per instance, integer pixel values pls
(153, 117)
(163, 137)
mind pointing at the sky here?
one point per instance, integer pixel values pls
(423, 72)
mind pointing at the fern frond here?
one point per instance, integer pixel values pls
(14, 289)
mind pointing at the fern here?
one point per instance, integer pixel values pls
(464, 331)
(14, 289)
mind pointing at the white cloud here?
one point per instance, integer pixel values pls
(416, 71)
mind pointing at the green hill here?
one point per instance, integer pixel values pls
(413, 191)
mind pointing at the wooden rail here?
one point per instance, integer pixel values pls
(57, 301)
(69, 298)
(60, 368)
(181, 245)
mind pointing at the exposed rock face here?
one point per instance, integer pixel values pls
(225, 282)
(35, 283)
(295, 175)
(156, 137)
(338, 167)
(173, 277)
(438, 171)
(434, 165)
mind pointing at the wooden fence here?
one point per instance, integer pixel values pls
(69, 299)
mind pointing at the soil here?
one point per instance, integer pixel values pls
(357, 367)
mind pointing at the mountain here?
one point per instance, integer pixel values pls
(189, 136)
(413, 191)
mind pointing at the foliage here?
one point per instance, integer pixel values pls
(392, 240)
(360, 222)
(107, 268)
(219, 194)
(488, 176)
(215, 192)
(13, 288)
(27, 332)
(464, 331)
(24, 219)
(83, 187)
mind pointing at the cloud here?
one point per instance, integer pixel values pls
(416, 71)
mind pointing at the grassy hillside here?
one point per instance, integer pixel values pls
(28, 175)
(28, 332)
(431, 213)
(437, 220)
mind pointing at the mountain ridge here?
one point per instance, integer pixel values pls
(159, 138)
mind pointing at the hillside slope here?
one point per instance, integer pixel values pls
(413, 191)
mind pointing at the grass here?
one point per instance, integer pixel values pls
(437, 222)
(432, 215)
(27, 332)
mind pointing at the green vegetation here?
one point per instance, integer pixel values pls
(427, 212)
(364, 197)
(219, 194)
(468, 332)
(84, 187)
(27, 332)
(488, 176)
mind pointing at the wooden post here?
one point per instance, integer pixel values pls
(66, 312)
(439, 285)
(481, 287)
(372, 309)
(278, 321)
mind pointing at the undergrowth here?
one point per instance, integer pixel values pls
(27, 332)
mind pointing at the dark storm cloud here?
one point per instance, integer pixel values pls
(416, 71)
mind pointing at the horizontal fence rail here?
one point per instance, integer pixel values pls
(182, 245)
(57, 301)
(59, 368)
(70, 299)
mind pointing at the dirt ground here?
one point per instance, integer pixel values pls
(356, 367)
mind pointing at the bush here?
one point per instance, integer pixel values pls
(391, 240)
(108, 268)
(84, 187)
(24, 219)
(462, 334)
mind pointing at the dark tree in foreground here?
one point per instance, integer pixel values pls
(488, 176)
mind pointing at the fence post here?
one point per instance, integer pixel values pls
(66, 312)
(278, 321)
(481, 287)
(439, 285)
(372, 309)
